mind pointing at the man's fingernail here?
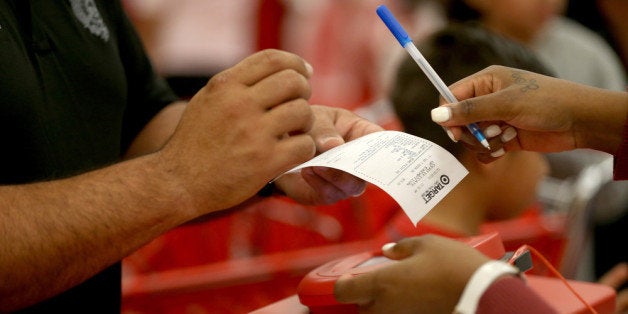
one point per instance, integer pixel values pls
(498, 153)
(492, 131)
(509, 134)
(441, 114)
(309, 69)
(360, 192)
(327, 138)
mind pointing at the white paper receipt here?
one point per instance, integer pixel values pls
(415, 172)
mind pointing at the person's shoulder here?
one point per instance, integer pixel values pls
(603, 63)
(573, 30)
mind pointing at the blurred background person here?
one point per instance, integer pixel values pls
(608, 18)
(571, 50)
(343, 40)
(190, 40)
(350, 50)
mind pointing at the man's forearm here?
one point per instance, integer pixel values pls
(157, 132)
(54, 235)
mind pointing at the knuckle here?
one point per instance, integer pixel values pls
(299, 109)
(466, 107)
(218, 79)
(274, 57)
(295, 81)
(493, 67)
(304, 112)
(269, 53)
(282, 59)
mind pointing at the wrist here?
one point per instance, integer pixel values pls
(479, 282)
(171, 187)
(600, 124)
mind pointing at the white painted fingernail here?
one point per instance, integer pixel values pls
(509, 134)
(451, 135)
(498, 153)
(492, 131)
(388, 246)
(441, 114)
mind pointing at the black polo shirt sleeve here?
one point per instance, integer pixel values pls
(147, 92)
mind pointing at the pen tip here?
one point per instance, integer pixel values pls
(485, 144)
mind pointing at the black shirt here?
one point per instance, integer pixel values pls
(75, 88)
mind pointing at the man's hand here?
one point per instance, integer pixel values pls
(233, 135)
(320, 185)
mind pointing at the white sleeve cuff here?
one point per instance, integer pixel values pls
(479, 282)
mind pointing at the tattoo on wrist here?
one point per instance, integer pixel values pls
(525, 84)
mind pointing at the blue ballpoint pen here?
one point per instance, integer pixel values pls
(406, 42)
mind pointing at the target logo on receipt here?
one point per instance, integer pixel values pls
(435, 188)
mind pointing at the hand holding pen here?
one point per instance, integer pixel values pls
(406, 42)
